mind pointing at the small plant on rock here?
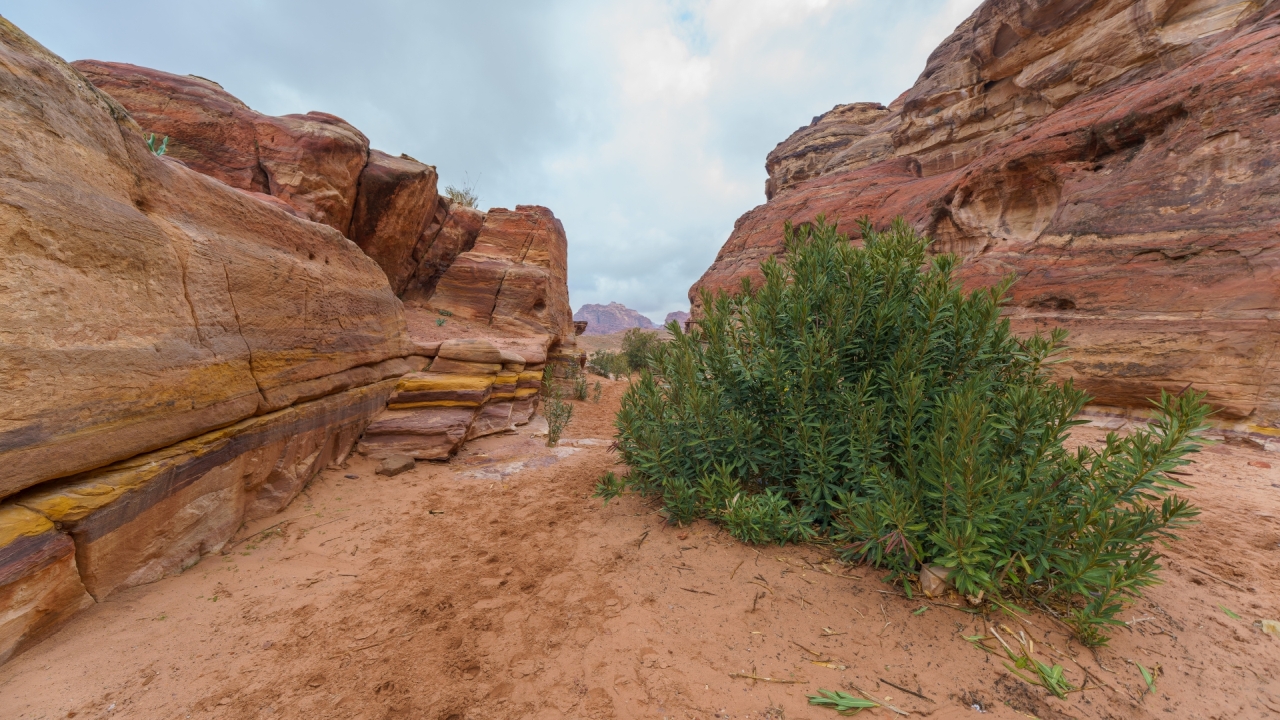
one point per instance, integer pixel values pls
(464, 195)
(859, 395)
(159, 149)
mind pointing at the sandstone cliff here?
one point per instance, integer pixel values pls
(320, 167)
(1118, 156)
(187, 340)
(611, 318)
(177, 355)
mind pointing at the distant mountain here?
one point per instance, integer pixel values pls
(679, 316)
(611, 318)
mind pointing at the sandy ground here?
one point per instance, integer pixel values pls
(495, 587)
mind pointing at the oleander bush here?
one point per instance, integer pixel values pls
(555, 408)
(860, 397)
(638, 346)
(607, 363)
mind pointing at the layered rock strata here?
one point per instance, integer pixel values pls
(1119, 157)
(471, 389)
(178, 356)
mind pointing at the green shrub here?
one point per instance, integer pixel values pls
(607, 363)
(554, 408)
(639, 346)
(860, 396)
(579, 384)
(596, 391)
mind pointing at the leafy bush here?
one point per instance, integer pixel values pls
(859, 395)
(579, 384)
(554, 408)
(596, 391)
(639, 346)
(607, 363)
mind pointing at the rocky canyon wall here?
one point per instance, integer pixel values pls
(511, 266)
(186, 340)
(1120, 157)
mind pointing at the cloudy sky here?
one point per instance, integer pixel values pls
(643, 124)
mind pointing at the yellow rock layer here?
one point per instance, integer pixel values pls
(428, 382)
(17, 522)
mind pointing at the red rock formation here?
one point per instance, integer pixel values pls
(1118, 157)
(678, 316)
(397, 199)
(611, 318)
(188, 355)
(452, 231)
(514, 279)
(323, 170)
(312, 161)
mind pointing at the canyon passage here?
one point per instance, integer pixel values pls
(281, 414)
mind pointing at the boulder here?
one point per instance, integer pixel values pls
(312, 162)
(394, 465)
(514, 279)
(1116, 156)
(452, 231)
(144, 303)
(431, 435)
(396, 200)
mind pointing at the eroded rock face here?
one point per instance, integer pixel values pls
(312, 162)
(611, 318)
(142, 303)
(452, 231)
(514, 279)
(396, 201)
(1119, 157)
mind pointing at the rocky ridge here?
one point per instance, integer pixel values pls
(1119, 157)
(319, 167)
(611, 318)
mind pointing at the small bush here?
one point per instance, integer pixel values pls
(596, 392)
(465, 195)
(607, 363)
(554, 408)
(639, 347)
(859, 395)
(579, 385)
